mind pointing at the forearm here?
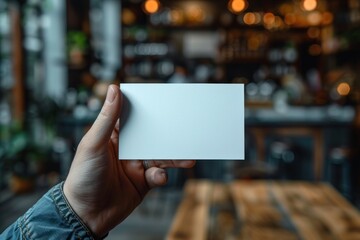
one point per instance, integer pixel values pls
(50, 218)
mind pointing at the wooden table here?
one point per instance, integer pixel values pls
(264, 210)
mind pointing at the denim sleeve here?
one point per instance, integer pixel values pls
(50, 218)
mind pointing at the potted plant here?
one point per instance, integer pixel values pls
(24, 160)
(77, 46)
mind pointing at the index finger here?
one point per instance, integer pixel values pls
(171, 163)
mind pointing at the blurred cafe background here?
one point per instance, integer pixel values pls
(299, 61)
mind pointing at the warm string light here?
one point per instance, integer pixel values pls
(315, 50)
(249, 18)
(237, 6)
(195, 14)
(309, 5)
(314, 18)
(343, 89)
(151, 6)
(269, 18)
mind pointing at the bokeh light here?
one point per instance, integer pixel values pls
(128, 16)
(343, 89)
(269, 18)
(177, 17)
(237, 6)
(313, 32)
(327, 18)
(151, 6)
(314, 18)
(249, 18)
(196, 14)
(315, 50)
(278, 22)
(309, 5)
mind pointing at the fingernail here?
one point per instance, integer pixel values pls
(110, 96)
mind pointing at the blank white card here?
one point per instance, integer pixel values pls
(182, 121)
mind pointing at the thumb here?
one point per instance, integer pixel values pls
(100, 132)
(156, 177)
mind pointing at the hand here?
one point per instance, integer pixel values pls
(102, 190)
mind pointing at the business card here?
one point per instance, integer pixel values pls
(182, 121)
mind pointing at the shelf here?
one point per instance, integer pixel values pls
(244, 60)
(341, 28)
(350, 52)
(217, 26)
(77, 67)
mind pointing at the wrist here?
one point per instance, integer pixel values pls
(81, 211)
